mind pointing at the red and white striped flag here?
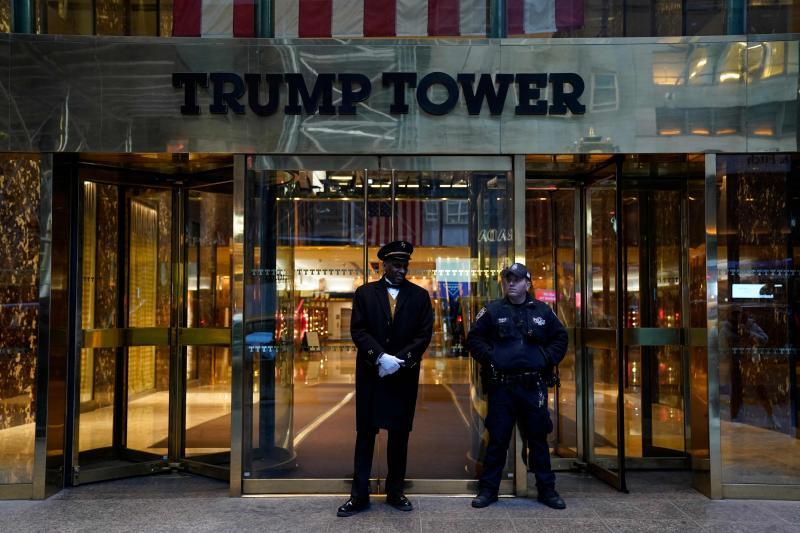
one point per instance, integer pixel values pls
(379, 223)
(213, 18)
(543, 16)
(409, 220)
(379, 18)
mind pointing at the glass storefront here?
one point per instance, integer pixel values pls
(668, 250)
(658, 265)
(313, 235)
(573, 236)
(758, 325)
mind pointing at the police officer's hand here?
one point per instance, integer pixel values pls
(388, 364)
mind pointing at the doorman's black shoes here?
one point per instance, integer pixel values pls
(352, 506)
(399, 502)
(484, 499)
(551, 499)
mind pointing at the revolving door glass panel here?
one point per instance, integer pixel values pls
(550, 255)
(312, 239)
(205, 342)
(602, 358)
(123, 371)
(303, 260)
(153, 358)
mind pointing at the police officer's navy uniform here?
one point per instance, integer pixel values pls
(519, 344)
(397, 322)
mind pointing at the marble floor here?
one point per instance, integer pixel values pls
(180, 502)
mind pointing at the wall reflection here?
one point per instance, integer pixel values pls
(759, 316)
(772, 66)
(19, 312)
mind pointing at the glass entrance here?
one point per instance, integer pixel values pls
(598, 226)
(152, 383)
(601, 339)
(313, 227)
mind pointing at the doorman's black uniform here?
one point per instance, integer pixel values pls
(387, 402)
(520, 344)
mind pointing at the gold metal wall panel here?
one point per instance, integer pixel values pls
(204, 469)
(204, 336)
(599, 338)
(17, 491)
(91, 475)
(653, 337)
(697, 337)
(300, 486)
(754, 491)
(342, 486)
(117, 337)
(657, 463)
(147, 336)
(648, 95)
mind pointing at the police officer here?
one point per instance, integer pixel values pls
(391, 326)
(518, 341)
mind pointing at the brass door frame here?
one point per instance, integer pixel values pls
(606, 337)
(683, 337)
(609, 338)
(240, 483)
(117, 339)
(176, 337)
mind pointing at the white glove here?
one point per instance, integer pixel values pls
(388, 364)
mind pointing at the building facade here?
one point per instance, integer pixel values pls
(185, 218)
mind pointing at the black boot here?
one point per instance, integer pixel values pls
(484, 498)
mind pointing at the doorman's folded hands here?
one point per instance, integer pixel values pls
(388, 364)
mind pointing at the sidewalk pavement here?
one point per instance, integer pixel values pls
(181, 502)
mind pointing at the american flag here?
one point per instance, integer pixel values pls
(213, 18)
(543, 16)
(379, 223)
(379, 18)
(408, 222)
(371, 18)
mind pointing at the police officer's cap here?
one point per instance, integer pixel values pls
(518, 269)
(399, 250)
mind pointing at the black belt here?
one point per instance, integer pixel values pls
(525, 376)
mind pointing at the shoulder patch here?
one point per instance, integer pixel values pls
(480, 314)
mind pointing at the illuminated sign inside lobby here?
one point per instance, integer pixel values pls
(261, 93)
(754, 290)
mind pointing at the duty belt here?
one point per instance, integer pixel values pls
(508, 378)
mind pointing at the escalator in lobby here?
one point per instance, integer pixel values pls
(152, 372)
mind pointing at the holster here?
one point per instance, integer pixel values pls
(551, 377)
(489, 376)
